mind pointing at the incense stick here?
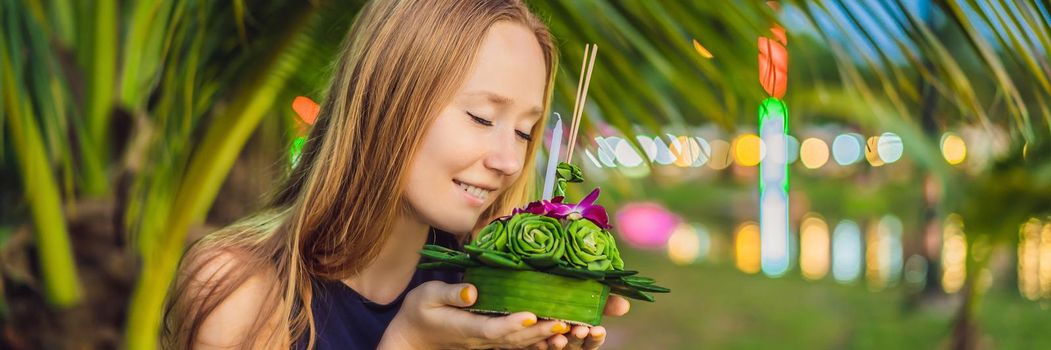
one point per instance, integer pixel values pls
(576, 101)
(582, 96)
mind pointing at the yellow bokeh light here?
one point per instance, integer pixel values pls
(686, 152)
(748, 150)
(1029, 260)
(814, 153)
(872, 152)
(953, 149)
(1045, 261)
(814, 248)
(684, 245)
(721, 157)
(954, 254)
(746, 246)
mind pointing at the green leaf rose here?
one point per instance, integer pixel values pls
(492, 237)
(590, 247)
(538, 240)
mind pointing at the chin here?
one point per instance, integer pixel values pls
(458, 228)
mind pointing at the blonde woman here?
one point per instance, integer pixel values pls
(428, 130)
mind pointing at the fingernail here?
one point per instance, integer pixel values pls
(528, 322)
(599, 334)
(560, 328)
(465, 294)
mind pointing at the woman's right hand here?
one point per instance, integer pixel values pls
(430, 318)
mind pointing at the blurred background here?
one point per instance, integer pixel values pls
(902, 201)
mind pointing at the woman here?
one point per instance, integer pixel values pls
(428, 130)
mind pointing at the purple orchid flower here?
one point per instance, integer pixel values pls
(585, 209)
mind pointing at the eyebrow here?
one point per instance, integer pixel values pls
(504, 100)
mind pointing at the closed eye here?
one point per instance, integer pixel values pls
(480, 120)
(524, 136)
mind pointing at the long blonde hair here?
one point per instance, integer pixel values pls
(400, 62)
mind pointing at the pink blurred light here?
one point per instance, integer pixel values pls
(645, 224)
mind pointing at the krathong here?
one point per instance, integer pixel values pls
(554, 258)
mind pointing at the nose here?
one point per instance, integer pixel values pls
(505, 156)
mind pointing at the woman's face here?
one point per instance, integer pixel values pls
(476, 147)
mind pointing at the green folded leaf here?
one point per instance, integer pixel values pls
(498, 260)
(438, 255)
(649, 288)
(439, 248)
(492, 237)
(591, 247)
(631, 293)
(576, 272)
(620, 273)
(440, 265)
(569, 172)
(548, 296)
(537, 239)
(638, 279)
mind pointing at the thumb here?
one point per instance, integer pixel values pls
(438, 293)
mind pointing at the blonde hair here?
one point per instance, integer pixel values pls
(400, 62)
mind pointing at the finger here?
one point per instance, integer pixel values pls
(595, 338)
(539, 332)
(557, 342)
(540, 345)
(576, 337)
(499, 328)
(616, 306)
(437, 293)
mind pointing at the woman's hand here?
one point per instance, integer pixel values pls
(583, 337)
(430, 318)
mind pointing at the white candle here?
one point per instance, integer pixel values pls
(552, 158)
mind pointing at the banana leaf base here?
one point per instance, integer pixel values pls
(573, 300)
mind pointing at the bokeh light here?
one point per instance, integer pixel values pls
(685, 150)
(953, 148)
(704, 152)
(646, 224)
(684, 245)
(1034, 260)
(883, 252)
(605, 152)
(846, 252)
(721, 156)
(748, 150)
(814, 246)
(847, 149)
(872, 152)
(648, 147)
(746, 247)
(814, 153)
(792, 143)
(664, 155)
(591, 157)
(954, 254)
(890, 147)
(625, 153)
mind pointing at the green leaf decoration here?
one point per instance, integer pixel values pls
(503, 261)
(631, 293)
(492, 237)
(569, 172)
(439, 265)
(591, 247)
(537, 239)
(620, 273)
(566, 173)
(575, 272)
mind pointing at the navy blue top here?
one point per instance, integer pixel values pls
(347, 320)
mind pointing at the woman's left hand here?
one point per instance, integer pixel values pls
(584, 337)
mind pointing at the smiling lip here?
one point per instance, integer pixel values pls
(475, 195)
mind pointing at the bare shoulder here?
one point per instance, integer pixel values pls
(234, 319)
